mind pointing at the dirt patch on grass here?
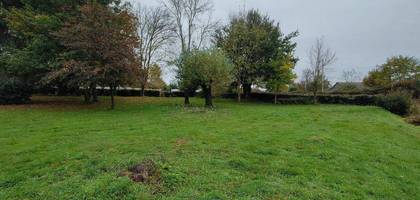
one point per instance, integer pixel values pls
(181, 142)
(147, 172)
(160, 176)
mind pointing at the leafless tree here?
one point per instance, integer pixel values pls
(155, 27)
(193, 25)
(306, 79)
(193, 21)
(320, 57)
(351, 76)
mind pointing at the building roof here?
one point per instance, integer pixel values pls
(343, 87)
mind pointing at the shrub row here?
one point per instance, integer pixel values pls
(13, 91)
(397, 102)
(308, 99)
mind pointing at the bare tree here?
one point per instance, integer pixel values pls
(306, 79)
(351, 76)
(155, 27)
(193, 25)
(320, 57)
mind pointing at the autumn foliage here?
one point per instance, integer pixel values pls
(100, 47)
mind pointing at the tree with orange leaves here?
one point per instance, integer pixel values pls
(100, 49)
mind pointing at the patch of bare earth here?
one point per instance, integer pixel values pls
(146, 172)
(180, 142)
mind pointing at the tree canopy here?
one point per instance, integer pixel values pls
(253, 42)
(396, 69)
(209, 69)
(100, 46)
(28, 48)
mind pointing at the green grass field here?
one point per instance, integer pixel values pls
(59, 148)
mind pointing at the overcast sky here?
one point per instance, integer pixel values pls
(363, 33)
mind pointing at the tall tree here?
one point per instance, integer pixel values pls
(100, 47)
(155, 27)
(210, 69)
(320, 57)
(193, 26)
(252, 41)
(28, 49)
(396, 69)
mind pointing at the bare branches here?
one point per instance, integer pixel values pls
(193, 21)
(320, 57)
(351, 76)
(155, 29)
(306, 79)
(190, 27)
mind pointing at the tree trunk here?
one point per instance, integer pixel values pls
(315, 97)
(239, 92)
(275, 98)
(247, 90)
(186, 98)
(88, 95)
(93, 93)
(142, 91)
(208, 96)
(112, 98)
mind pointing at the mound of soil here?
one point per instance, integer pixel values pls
(147, 172)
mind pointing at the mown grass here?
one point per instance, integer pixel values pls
(59, 148)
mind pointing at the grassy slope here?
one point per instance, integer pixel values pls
(248, 151)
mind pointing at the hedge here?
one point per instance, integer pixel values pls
(397, 102)
(308, 99)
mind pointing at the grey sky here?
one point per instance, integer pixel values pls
(363, 33)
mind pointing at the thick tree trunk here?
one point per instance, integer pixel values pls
(186, 98)
(247, 90)
(208, 96)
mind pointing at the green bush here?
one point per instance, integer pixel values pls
(14, 91)
(397, 102)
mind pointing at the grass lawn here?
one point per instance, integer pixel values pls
(59, 148)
